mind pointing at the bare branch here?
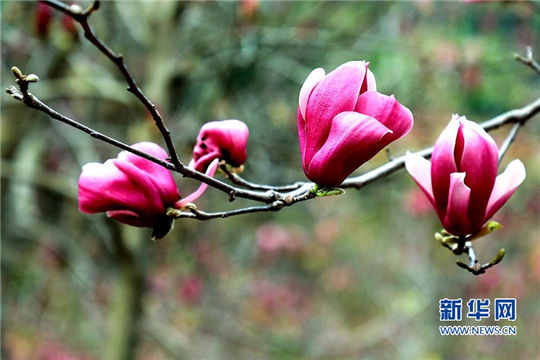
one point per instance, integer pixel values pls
(509, 140)
(528, 60)
(513, 116)
(82, 18)
(33, 102)
(236, 179)
(273, 195)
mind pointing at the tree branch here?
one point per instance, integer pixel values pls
(33, 102)
(274, 197)
(298, 191)
(528, 60)
(81, 17)
(237, 180)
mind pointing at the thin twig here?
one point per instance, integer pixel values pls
(302, 191)
(82, 18)
(33, 102)
(238, 180)
(509, 140)
(513, 116)
(528, 60)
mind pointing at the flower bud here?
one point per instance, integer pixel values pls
(134, 190)
(224, 140)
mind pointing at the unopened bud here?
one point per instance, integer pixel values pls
(76, 9)
(17, 72)
(32, 78)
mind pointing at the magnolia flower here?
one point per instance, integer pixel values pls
(134, 190)
(224, 140)
(461, 181)
(343, 122)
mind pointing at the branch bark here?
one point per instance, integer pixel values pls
(82, 18)
(274, 197)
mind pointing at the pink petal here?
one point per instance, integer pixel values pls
(420, 170)
(161, 177)
(388, 111)
(443, 163)
(302, 136)
(226, 137)
(202, 163)
(456, 220)
(130, 218)
(351, 142)
(479, 160)
(104, 187)
(336, 93)
(505, 185)
(201, 189)
(312, 80)
(153, 203)
(369, 82)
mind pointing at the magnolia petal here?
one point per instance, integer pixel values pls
(202, 163)
(369, 81)
(129, 217)
(226, 137)
(309, 84)
(104, 187)
(388, 111)
(420, 170)
(153, 202)
(336, 93)
(505, 185)
(350, 143)
(443, 163)
(456, 220)
(161, 177)
(302, 136)
(201, 189)
(479, 160)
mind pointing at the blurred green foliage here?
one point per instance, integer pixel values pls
(354, 276)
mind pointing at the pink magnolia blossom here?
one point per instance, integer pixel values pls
(133, 190)
(461, 181)
(343, 121)
(224, 140)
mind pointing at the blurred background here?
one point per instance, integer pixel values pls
(354, 276)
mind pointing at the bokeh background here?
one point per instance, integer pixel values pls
(354, 276)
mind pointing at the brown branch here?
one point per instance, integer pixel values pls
(33, 102)
(528, 60)
(238, 180)
(510, 117)
(81, 17)
(509, 140)
(300, 191)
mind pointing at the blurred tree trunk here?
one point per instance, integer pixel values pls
(125, 309)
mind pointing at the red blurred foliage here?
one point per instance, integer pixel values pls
(191, 289)
(534, 260)
(416, 204)
(487, 283)
(68, 24)
(248, 8)
(53, 350)
(212, 258)
(471, 77)
(274, 240)
(273, 300)
(43, 18)
(159, 281)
